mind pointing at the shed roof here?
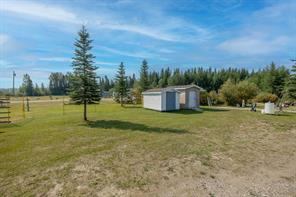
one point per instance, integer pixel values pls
(158, 90)
(173, 88)
(181, 87)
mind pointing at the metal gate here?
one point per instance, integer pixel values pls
(4, 110)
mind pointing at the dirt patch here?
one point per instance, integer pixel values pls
(54, 191)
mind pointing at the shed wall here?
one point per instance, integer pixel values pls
(184, 97)
(177, 101)
(187, 92)
(153, 101)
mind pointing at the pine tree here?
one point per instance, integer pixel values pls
(42, 90)
(121, 83)
(37, 91)
(144, 81)
(27, 86)
(291, 83)
(84, 88)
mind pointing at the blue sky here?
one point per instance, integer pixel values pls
(36, 37)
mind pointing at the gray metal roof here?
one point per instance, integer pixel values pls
(172, 88)
(185, 87)
(161, 90)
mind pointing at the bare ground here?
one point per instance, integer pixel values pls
(256, 164)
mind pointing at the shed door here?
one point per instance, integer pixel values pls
(170, 101)
(192, 99)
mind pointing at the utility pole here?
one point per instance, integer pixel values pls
(13, 78)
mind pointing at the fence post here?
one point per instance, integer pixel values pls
(28, 104)
(24, 113)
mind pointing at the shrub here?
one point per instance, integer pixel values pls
(264, 97)
(137, 93)
(214, 97)
(234, 94)
(246, 91)
(203, 98)
(229, 93)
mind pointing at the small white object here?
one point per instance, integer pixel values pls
(269, 108)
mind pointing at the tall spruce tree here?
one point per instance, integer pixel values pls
(84, 88)
(121, 83)
(144, 80)
(27, 87)
(291, 83)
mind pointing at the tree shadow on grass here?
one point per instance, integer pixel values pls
(185, 112)
(190, 112)
(131, 106)
(124, 125)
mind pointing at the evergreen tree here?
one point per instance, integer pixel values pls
(144, 81)
(121, 84)
(27, 86)
(176, 79)
(37, 91)
(84, 88)
(59, 83)
(43, 90)
(291, 83)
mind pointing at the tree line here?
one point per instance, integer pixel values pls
(231, 85)
(270, 79)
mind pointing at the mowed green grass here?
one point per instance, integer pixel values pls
(119, 146)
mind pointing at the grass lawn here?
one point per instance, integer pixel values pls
(131, 151)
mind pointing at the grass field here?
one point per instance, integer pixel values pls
(131, 151)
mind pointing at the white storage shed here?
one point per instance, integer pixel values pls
(161, 99)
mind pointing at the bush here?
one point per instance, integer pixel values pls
(229, 93)
(246, 91)
(265, 97)
(234, 94)
(215, 98)
(137, 93)
(203, 98)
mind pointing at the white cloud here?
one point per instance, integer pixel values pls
(164, 50)
(146, 31)
(5, 64)
(253, 45)
(3, 39)
(129, 54)
(39, 10)
(8, 44)
(278, 11)
(66, 59)
(106, 63)
(55, 59)
(110, 19)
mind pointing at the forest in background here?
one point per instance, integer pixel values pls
(266, 84)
